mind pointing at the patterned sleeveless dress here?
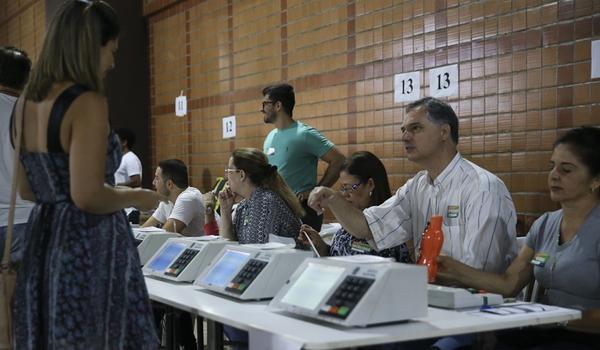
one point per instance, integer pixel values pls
(80, 285)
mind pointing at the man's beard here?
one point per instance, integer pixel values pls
(269, 118)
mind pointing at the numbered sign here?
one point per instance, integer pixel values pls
(181, 106)
(407, 87)
(229, 127)
(595, 59)
(443, 81)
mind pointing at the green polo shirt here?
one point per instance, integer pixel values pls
(295, 151)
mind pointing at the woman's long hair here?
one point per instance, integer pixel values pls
(365, 165)
(71, 49)
(256, 165)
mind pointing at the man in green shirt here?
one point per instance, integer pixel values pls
(295, 148)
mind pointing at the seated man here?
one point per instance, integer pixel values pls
(184, 213)
(479, 216)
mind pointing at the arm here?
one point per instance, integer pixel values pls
(151, 222)
(88, 142)
(134, 181)
(316, 239)
(384, 226)
(509, 283)
(351, 218)
(590, 322)
(226, 198)
(334, 159)
(174, 225)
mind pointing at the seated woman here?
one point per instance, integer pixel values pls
(562, 249)
(364, 183)
(268, 206)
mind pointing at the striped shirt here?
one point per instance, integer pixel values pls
(479, 216)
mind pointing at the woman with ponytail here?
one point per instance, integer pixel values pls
(268, 207)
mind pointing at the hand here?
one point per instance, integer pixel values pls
(303, 196)
(319, 198)
(209, 202)
(449, 270)
(315, 237)
(227, 199)
(148, 199)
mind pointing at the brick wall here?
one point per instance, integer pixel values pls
(23, 24)
(524, 76)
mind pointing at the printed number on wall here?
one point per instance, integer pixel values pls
(407, 87)
(443, 81)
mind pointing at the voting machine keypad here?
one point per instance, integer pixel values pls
(345, 298)
(182, 262)
(246, 276)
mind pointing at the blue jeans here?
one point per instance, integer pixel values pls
(18, 244)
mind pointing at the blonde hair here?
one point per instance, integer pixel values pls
(255, 163)
(71, 49)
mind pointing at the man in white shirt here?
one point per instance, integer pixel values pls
(129, 172)
(184, 213)
(14, 72)
(479, 216)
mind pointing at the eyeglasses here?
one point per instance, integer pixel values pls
(229, 171)
(412, 129)
(349, 188)
(264, 103)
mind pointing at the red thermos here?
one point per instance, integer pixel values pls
(431, 245)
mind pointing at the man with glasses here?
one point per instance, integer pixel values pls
(479, 216)
(184, 213)
(295, 148)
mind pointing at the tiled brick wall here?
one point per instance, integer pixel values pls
(23, 24)
(524, 77)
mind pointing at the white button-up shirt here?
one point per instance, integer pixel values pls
(479, 216)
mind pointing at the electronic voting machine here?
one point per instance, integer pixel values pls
(357, 290)
(149, 239)
(252, 271)
(459, 298)
(182, 259)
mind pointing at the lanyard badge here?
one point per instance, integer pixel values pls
(540, 259)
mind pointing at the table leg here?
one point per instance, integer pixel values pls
(214, 333)
(169, 328)
(199, 333)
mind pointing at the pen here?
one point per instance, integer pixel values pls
(311, 244)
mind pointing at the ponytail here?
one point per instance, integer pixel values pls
(255, 163)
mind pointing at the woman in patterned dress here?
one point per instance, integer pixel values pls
(268, 207)
(80, 285)
(364, 183)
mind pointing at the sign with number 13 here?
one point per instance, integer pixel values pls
(407, 87)
(443, 81)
